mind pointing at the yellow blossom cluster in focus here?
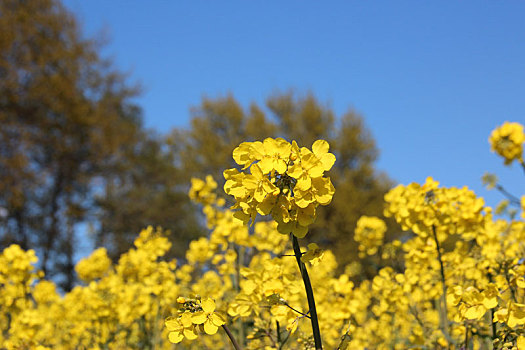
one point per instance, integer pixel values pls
(284, 181)
(194, 316)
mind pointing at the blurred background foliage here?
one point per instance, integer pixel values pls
(77, 165)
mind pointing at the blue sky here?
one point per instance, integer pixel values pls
(431, 78)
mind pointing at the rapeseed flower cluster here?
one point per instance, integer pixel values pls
(94, 266)
(507, 141)
(429, 210)
(369, 233)
(284, 181)
(195, 316)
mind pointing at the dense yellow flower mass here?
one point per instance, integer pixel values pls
(507, 141)
(285, 181)
(369, 233)
(456, 280)
(94, 266)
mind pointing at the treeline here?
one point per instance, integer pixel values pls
(77, 164)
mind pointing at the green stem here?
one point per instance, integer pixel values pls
(278, 332)
(232, 338)
(466, 335)
(240, 263)
(299, 312)
(444, 316)
(284, 340)
(493, 324)
(309, 294)
(507, 278)
(512, 198)
(269, 335)
(494, 330)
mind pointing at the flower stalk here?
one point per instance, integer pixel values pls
(444, 316)
(232, 338)
(309, 294)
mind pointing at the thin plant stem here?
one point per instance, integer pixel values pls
(507, 278)
(278, 332)
(444, 316)
(512, 198)
(269, 335)
(309, 294)
(493, 324)
(466, 336)
(240, 263)
(299, 312)
(494, 330)
(284, 340)
(232, 338)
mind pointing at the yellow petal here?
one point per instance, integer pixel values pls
(267, 204)
(175, 337)
(295, 170)
(313, 246)
(185, 319)
(228, 173)
(299, 231)
(173, 324)
(306, 216)
(501, 315)
(320, 147)
(280, 166)
(520, 342)
(285, 227)
(256, 171)
(249, 286)
(490, 303)
(266, 165)
(198, 317)
(328, 161)
(210, 328)
(303, 183)
(208, 305)
(190, 333)
(475, 312)
(244, 310)
(242, 154)
(517, 315)
(217, 319)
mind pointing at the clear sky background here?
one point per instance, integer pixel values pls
(430, 78)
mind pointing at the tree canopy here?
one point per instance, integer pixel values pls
(76, 163)
(65, 114)
(218, 125)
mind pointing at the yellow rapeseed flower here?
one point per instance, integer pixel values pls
(283, 181)
(507, 141)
